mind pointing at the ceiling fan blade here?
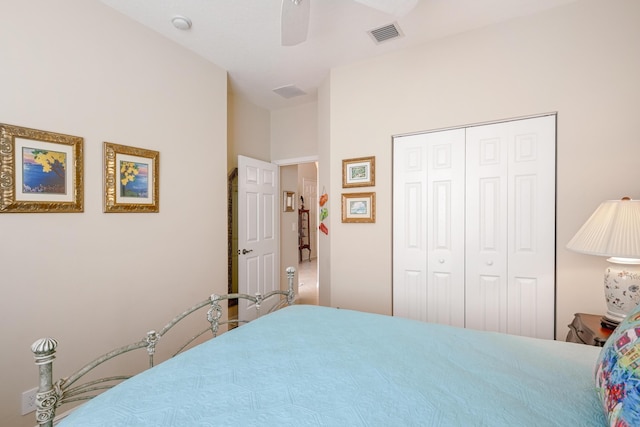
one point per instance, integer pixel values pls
(294, 21)
(397, 8)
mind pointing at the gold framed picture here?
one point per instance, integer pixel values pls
(40, 171)
(359, 172)
(359, 207)
(288, 201)
(131, 179)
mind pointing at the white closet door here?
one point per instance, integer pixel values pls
(409, 227)
(510, 221)
(486, 219)
(428, 200)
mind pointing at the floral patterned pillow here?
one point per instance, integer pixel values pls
(617, 373)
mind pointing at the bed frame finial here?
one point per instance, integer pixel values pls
(214, 314)
(291, 295)
(151, 339)
(46, 398)
(44, 350)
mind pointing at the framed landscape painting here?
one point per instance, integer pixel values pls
(359, 207)
(40, 171)
(359, 172)
(131, 179)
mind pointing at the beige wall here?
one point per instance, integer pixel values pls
(94, 280)
(581, 60)
(324, 182)
(294, 132)
(249, 130)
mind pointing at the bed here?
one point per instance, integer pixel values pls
(317, 366)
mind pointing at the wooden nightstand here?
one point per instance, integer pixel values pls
(586, 329)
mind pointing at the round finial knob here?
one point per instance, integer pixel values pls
(43, 350)
(44, 345)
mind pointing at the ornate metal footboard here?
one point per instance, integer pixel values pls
(51, 395)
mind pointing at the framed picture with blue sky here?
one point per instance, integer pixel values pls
(131, 179)
(40, 171)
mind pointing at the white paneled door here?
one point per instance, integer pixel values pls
(258, 232)
(428, 227)
(474, 230)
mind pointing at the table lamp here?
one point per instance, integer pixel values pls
(613, 230)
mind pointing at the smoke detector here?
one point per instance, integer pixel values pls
(289, 91)
(181, 22)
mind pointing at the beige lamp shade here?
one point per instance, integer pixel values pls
(613, 230)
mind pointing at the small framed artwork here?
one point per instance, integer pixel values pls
(288, 204)
(131, 179)
(359, 172)
(40, 171)
(359, 207)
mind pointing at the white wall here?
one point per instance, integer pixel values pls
(94, 280)
(581, 60)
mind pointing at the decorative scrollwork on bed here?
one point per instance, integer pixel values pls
(51, 395)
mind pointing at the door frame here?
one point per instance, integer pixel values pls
(232, 220)
(293, 162)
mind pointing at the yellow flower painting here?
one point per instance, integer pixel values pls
(134, 179)
(43, 171)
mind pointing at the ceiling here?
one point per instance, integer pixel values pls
(243, 36)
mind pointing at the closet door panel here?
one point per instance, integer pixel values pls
(410, 298)
(439, 224)
(531, 227)
(442, 300)
(486, 229)
(524, 307)
(488, 300)
(409, 227)
(521, 155)
(445, 222)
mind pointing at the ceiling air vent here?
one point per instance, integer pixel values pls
(388, 32)
(289, 91)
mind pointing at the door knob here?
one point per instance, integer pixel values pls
(244, 251)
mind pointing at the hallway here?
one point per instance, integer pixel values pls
(307, 282)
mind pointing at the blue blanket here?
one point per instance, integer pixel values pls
(318, 366)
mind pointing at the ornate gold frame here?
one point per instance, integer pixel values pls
(368, 164)
(368, 216)
(9, 165)
(288, 201)
(112, 177)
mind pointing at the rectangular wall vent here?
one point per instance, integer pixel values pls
(388, 32)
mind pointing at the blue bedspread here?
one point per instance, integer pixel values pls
(317, 366)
